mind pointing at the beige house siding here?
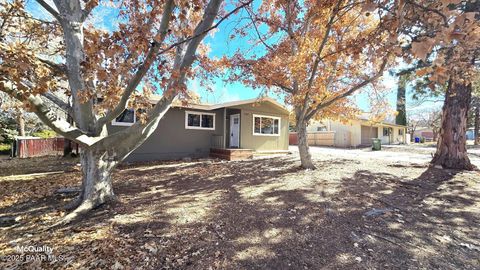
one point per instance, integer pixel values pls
(258, 142)
(349, 134)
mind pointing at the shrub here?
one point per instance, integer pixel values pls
(45, 134)
(5, 148)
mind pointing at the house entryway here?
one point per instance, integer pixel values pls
(235, 131)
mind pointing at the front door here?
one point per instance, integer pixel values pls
(235, 130)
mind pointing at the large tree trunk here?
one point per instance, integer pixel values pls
(451, 146)
(305, 157)
(21, 123)
(67, 144)
(67, 147)
(401, 118)
(97, 169)
(477, 125)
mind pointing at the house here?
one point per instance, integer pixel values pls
(426, 133)
(356, 132)
(229, 130)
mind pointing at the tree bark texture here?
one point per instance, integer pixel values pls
(451, 146)
(303, 149)
(401, 118)
(97, 169)
(67, 144)
(21, 124)
(477, 126)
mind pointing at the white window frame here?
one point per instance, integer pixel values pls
(125, 124)
(199, 113)
(266, 116)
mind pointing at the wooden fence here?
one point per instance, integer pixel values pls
(318, 138)
(37, 147)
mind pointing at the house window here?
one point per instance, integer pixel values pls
(266, 125)
(322, 128)
(400, 131)
(199, 120)
(127, 118)
(386, 131)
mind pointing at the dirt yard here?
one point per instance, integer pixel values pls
(358, 210)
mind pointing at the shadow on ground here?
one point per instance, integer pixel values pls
(268, 214)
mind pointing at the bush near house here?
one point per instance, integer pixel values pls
(45, 134)
(5, 148)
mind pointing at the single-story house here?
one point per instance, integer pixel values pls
(357, 132)
(424, 132)
(239, 128)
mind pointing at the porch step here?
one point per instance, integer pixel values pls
(231, 153)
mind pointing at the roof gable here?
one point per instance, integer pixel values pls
(209, 107)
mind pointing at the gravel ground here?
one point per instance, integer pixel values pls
(392, 153)
(358, 210)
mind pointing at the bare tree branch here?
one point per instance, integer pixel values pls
(89, 6)
(322, 44)
(444, 18)
(49, 117)
(206, 30)
(50, 9)
(59, 69)
(142, 70)
(256, 30)
(58, 101)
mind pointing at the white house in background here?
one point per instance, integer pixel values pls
(360, 131)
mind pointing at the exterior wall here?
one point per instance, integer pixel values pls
(394, 138)
(369, 132)
(350, 134)
(346, 134)
(171, 140)
(262, 143)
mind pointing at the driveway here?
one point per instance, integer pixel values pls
(392, 153)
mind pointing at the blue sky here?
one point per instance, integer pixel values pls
(221, 44)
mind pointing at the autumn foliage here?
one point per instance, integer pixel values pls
(317, 53)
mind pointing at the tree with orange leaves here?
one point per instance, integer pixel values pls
(151, 49)
(317, 53)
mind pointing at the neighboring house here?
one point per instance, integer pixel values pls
(424, 132)
(260, 125)
(359, 132)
